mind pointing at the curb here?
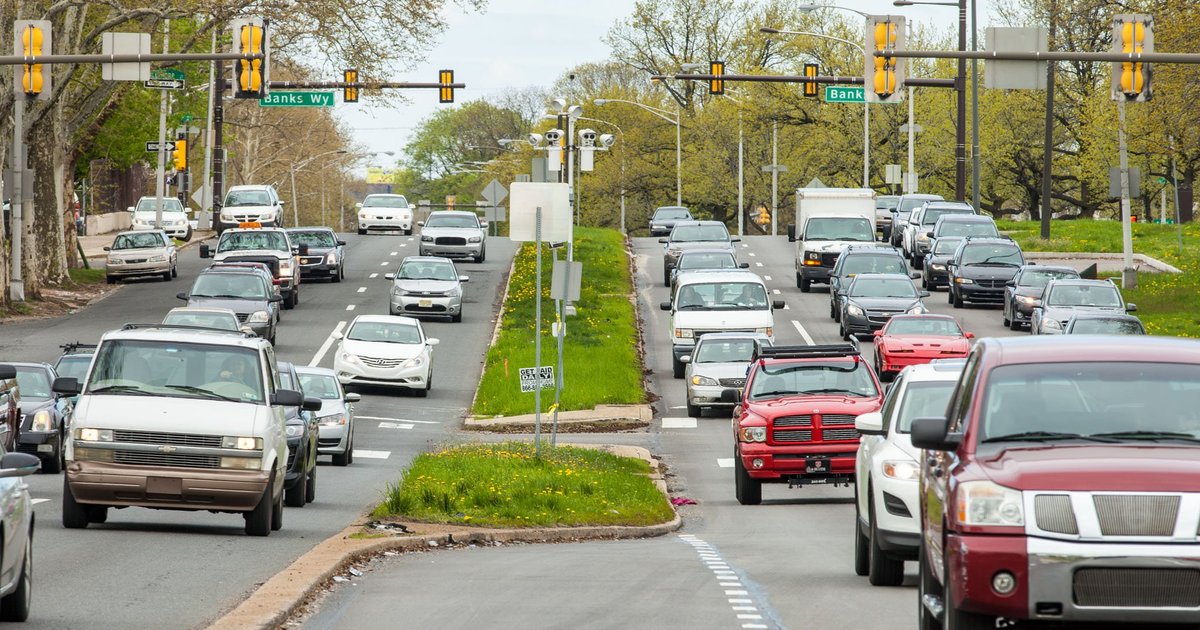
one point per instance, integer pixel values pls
(1153, 263)
(496, 328)
(601, 413)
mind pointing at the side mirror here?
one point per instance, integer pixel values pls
(352, 397)
(464, 278)
(877, 333)
(483, 224)
(107, 248)
(1130, 307)
(969, 335)
(281, 202)
(666, 306)
(930, 433)
(7, 372)
(341, 243)
(287, 398)
(303, 249)
(1010, 283)
(67, 385)
(735, 240)
(923, 293)
(338, 335)
(182, 295)
(205, 252)
(778, 304)
(687, 358)
(929, 234)
(19, 464)
(662, 240)
(791, 232)
(129, 209)
(420, 224)
(275, 298)
(870, 424)
(311, 403)
(358, 205)
(743, 265)
(389, 276)
(432, 341)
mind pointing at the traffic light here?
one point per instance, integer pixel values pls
(764, 216)
(716, 87)
(251, 76)
(179, 155)
(884, 76)
(446, 91)
(810, 72)
(1132, 34)
(350, 94)
(33, 40)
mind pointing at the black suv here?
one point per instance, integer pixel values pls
(1024, 291)
(326, 256)
(980, 269)
(300, 482)
(857, 259)
(933, 269)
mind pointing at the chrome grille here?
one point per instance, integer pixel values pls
(793, 436)
(1054, 514)
(1137, 588)
(381, 363)
(793, 421)
(175, 439)
(166, 459)
(449, 240)
(837, 418)
(839, 434)
(1136, 515)
(732, 382)
(991, 284)
(829, 259)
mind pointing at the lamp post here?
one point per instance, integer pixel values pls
(621, 133)
(665, 115)
(293, 169)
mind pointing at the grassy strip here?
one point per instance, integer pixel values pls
(504, 485)
(86, 276)
(1168, 303)
(600, 356)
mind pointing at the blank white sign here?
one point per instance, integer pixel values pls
(524, 200)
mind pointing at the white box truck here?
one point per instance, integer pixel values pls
(827, 220)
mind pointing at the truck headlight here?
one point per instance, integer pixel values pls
(115, 261)
(156, 259)
(42, 421)
(854, 309)
(241, 463)
(770, 332)
(937, 267)
(1027, 300)
(987, 503)
(964, 281)
(812, 256)
(704, 380)
(475, 239)
(94, 435)
(333, 420)
(242, 443)
(258, 317)
(683, 333)
(904, 470)
(753, 434)
(285, 267)
(93, 455)
(294, 430)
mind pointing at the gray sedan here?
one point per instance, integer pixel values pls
(1063, 298)
(335, 419)
(716, 369)
(427, 285)
(873, 298)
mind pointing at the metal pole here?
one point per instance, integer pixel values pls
(912, 137)
(976, 168)
(866, 144)
(1048, 141)
(218, 144)
(342, 202)
(741, 210)
(1175, 181)
(570, 175)
(560, 333)
(774, 176)
(960, 132)
(678, 160)
(623, 186)
(295, 199)
(204, 218)
(1128, 273)
(537, 338)
(322, 199)
(160, 183)
(16, 287)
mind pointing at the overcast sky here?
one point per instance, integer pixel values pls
(524, 43)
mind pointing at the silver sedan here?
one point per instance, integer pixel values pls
(335, 419)
(427, 285)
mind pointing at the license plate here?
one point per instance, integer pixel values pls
(816, 465)
(45, 448)
(425, 303)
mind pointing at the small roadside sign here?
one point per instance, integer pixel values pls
(165, 79)
(530, 377)
(843, 94)
(153, 146)
(494, 193)
(292, 98)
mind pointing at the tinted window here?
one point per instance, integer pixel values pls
(1098, 326)
(1039, 277)
(385, 332)
(923, 400)
(707, 260)
(773, 381)
(931, 215)
(286, 382)
(992, 255)
(229, 285)
(946, 246)
(838, 229)
(138, 241)
(34, 382)
(185, 370)
(923, 326)
(452, 221)
(73, 366)
(253, 240)
(170, 204)
(722, 296)
(313, 238)
(908, 204)
(882, 288)
(221, 321)
(874, 264)
(1084, 295)
(692, 233)
(427, 270)
(381, 201)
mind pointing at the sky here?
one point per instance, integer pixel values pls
(525, 43)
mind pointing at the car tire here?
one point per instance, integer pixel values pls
(832, 311)
(747, 489)
(187, 236)
(294, 497)
(53, 464)
(166, 275)
(926, 587)
(677, 367)
(277, 514)
(949, 295)
(457, 317)
(883, 570)
(666, 277)
(955, 619)
(925, 282)
(310, 490)
(338, 275)
(97, 514)
(1014, 325)
(805, 285)
(693, 411)
(408, 232)
(174, 271)
(958, 301)
(110, 279)
(74, 514)
(362, 231)
(291, 300)
(482, 255)
(15, 606)
(844, 332)
(259, 520)
(861, 542)
(1004, 315)
(343, 458)
(350, 449)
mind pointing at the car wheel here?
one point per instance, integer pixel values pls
(53, 464)
(676, 368)
(1014, 325)
(805, 285)
(949, 295)
(110, 279)
(174, 271)
(926, 587)
(343, 458)
(350, 449)
(861, 550)
(482, 255)
(798, 279)
(843, 331)
(883, 570)
(693, 411)
(337, 275)
(166, 275)
(925, 282)
(1004, 315)
(290, 301)
(832, 311)
(362, 231)
(310, 491)
(457, 317)
(15, 605)
(958, 301)
(747, 489)
(74, 514)
(955, 619)
(277, 514)
(97, 514)
(408, 232)
(294, 496)
(666, 277)
(187, 236)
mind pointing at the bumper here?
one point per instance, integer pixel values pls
(424, 305)
(861, 324)
(921, 249)
(225, 222)
(333, 438)
(791, 464)
(896, 509)
(366, 222)
(710, 395)
(44, 444)
(319, 270)
(660, 230)
(976, 293)
(262, 330)
(891, 362)
(814, 273)
(1022, 313)
(287, 284)
(408, 378)
(177, 231)
(470, 250)
(295, 469)
(138, 269)
(166, 487)
(934, 277)
(679, 350)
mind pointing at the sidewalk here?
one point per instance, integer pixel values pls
(93, 245)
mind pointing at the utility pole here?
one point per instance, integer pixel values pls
(1048, 141)
(741, 178)
(1129, 279)
(204, 219)
(912, 136)
(16, 287)
(960, 132)
(160, 183)
(976, 169)
(218, 143)
(866, 145)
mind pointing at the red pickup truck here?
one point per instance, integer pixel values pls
(1064, 485)
(795, 421)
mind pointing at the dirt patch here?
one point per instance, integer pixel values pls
(57, 301)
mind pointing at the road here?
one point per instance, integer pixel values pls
(148, 568)
(784, 564)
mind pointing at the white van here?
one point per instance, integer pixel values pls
(827, 220)
(717, 300)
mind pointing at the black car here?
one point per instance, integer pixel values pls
(1089, 324)
(933, 269)
(980, 269)
(44, 415)
(300, 482)
(326, 257)
(900, 215)
(245, 291)
(664, 219)
(1022, 293)
(859, 259)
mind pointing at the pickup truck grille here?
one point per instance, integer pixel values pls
(839, 434)
(829, 259)
(174, 439)
(837, 418)
(792, 421)
(1135, 515)
(838, 427)
(166, 459)
(1054, 513)
(1137, 588)
(793, 436)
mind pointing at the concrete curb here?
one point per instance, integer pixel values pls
(1143, 259)
(273, 603)
(496, 328)
(602, 413)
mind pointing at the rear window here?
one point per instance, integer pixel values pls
(874, 264)
(724, 351)
(908, 204)
(707, 260)
(933, 214)
(672, 213)
(1039, 278)
(883, 288)
(1084, 295)
(1102, 326)
(923, 326)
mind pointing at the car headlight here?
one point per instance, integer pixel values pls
(917, 309)
(94, 435)
(475, 239)
(987, 503)
(704, 380)
(683, 333)
(412, 363)
(295, 430)
(753, 434)
(93, 454)
(258, 317)
(964, 281)
(812, 256)
(241, 463)
(854, 309)
(156, 259)
(42, 421)
(674, 252)
(242, 443)
(426, 239)
(924, 238)
(331, 258)
(1027, 300)
(904, 470)
(333, 420)
(225, 216)
(1051, 323)
(349, 358)
(115, 261)
(937, 267)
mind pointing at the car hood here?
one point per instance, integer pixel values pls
(241, 307)
(149, 215)
(165, 414)
(827, 246)
(925, 343)
(138, 251)
(1136, 467)
(884, 304)
(822, 404)
(381, 350)
(319, 251)
(426, 286)
(721, 370)
(30, 406)
(988, 272)
(451, 231)
(263, 253)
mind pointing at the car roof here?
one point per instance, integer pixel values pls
(1037, 267)
(671, 208)
(871, 248)
(963, 217)
(697, 276)
(946, 203)
(309, 228)
(992, 240)
(1120, 316)
(699, 222)
(457, 213)
(124, 232)
(30, 364)
(265, 228)
(186, 335)
(1086, 348)
(922, 196)
(386, 319)
(881, 276)
(937, 370)
(385, 195)
(921, 316)
(307, 369)
(238, 269)
(202, 309)
(437, 259)
(249, 187)
(1081, 282)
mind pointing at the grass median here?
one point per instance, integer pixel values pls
(504, 485)
(600, 352)
(1168, 303)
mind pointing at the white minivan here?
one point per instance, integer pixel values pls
(717, 300)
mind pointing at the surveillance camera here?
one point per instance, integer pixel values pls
(607, 140)
(559, 103)
(536, 140)
(554, 136)
(587, 137)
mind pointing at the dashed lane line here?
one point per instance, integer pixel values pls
(316, 360)
(374, 275)
(776, 292)
(758, 264)
(350, 307)
(396, 425)
(725, 462)
(372, 454)
(753, 254)
(740, 602)
(362, 289)
(804, 333)
(383, 419)
(767, 278)
(679, 423)
(37, 501)
(384, 263)
(393, 253)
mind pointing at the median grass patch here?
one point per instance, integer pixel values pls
(601, 361)
(505, 485)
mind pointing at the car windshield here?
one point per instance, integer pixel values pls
(1084, 295)
(694, 233)
(923, 326)
(1007, 255)
(946, 246)
(1040, 278)
(663, 214)
(908, 204)
(147, 204)
(722, 296)
(452, 221)
(73, 366)
(313, 238)
(384, 332)
(1106, 326)
(273, 240)
(933, 214)
(707, 260)
(923, 400)
(1111, 400)
(886, 203)
(142, 240)
(237, 198)
(134, 367)
(385, 201)
(323, 386)
(230, 285)
(873, 264)
(968, 228)
(798, 379)
(883, 288)
(724, 351)
(838, 229)
(34, 383)
(427, 270)
(220, 321)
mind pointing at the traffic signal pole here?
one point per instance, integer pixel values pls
(160, 184)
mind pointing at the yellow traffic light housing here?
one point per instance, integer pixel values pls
(251, 76)
(764, 216)
(811, 71)
(884, 75)
(33, 40)
(179, 155)
(446, 89)
(350, 94)
(1132, 34)
(716, 87)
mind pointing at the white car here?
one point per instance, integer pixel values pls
(385, 212)
(174, 218)
(250, 203)
(887, 528)
(335, 419)
(385, 350)
(717, 367)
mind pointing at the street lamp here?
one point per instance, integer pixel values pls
(665, 115)
(295, 167)
(812, 7)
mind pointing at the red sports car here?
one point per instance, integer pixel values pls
(916, 339)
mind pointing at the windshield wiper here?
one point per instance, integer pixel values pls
(120, 389)
(207, 393)
(1149, 435)
(222, 295)
(1046, 436)
(832, 390)
(691, 307)
(769, 394)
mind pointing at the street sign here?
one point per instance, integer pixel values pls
(292, 98)
(892, 174)
(164, 84)
(186, 118)
(165, 79)
(559, 288)
(843, 94)
(124, 44)
(530, 378)
(153, 146)
(494, 193)
(167, 73)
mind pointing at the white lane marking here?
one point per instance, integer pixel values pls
(393, 253)
(776, 292)
(767, 278)
(758, 264)
(372, 454)
(396, 425)
(374, 275)
(403, 244)
(731, 584)
(679, 407)
(739, 600)
(786, 307)
(753, 254)
(381, 418)
(753, 625)
(803, 333)
(725, 462)
(745, 608)
(37, 501)
(349, 307)
(383, 264)
(679, 423)
(728, 592)
(749, 616)
(362, 289)
(316, 360)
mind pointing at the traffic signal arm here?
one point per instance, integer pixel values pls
(792, 78)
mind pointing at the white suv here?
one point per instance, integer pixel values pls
(250, 204)
(887, 529)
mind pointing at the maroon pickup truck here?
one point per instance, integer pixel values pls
(1064, 485)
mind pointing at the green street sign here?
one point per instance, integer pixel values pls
(843, 94)
(166, 74)
(293, 98)
(186, 118)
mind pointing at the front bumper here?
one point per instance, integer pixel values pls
(470, 250)
(935, 277)
(318, 269)
(376, 222)
(358, 374)
(815, 273)
(1021, 312)
(710, 395)
(660, 230)
(896, 509)
(295, 463)
(130, 270)
(973, 292)
(333, 438)
(790, 464)
(680, 350)
(44, 444)
(166, 487)
(177, 230)
(866, 323)
(225, 221)
(426, 305)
